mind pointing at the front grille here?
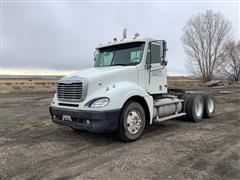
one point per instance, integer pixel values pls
(70, 91)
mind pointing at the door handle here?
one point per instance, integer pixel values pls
(148, 66)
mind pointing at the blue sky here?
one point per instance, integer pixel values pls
(62, 35)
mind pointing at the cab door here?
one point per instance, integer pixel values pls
(155, 71)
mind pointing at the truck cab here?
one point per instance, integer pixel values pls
(125, 91)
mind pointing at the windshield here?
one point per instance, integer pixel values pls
(124, 54)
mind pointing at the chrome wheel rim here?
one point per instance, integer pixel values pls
(198, 108)
(210, 105)
(133, 122)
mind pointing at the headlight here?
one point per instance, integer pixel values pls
(100, 103)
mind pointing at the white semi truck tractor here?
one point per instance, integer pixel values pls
(125, 91)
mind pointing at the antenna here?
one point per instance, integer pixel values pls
(125, 33)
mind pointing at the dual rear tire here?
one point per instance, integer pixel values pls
(209, 105)
(198, 107)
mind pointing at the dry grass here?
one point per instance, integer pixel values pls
(25, 85)
(183, 82)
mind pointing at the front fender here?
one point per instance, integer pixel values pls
(120, 92)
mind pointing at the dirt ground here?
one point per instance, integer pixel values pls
(32, 147)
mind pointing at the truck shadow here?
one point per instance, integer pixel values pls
(163, 128)
(157, 129)
(61, 134)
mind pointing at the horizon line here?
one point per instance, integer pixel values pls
(49, 72)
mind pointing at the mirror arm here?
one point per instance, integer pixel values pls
(150, 44)
(95, 58)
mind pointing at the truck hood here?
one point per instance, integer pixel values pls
(104, 73)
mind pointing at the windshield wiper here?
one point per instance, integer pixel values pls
(119, 64)
(129, 64)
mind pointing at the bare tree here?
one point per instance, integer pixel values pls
(204, 39)
(230, 67)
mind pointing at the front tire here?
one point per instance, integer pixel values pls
(132, 122)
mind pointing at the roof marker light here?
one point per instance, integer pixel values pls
(136, 36)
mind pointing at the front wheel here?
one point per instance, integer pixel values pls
(132, 122)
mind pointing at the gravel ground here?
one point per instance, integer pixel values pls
(32, 147)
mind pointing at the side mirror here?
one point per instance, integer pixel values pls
(164, 45)
(163, 53)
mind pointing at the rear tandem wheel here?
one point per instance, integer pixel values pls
(194, 107)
